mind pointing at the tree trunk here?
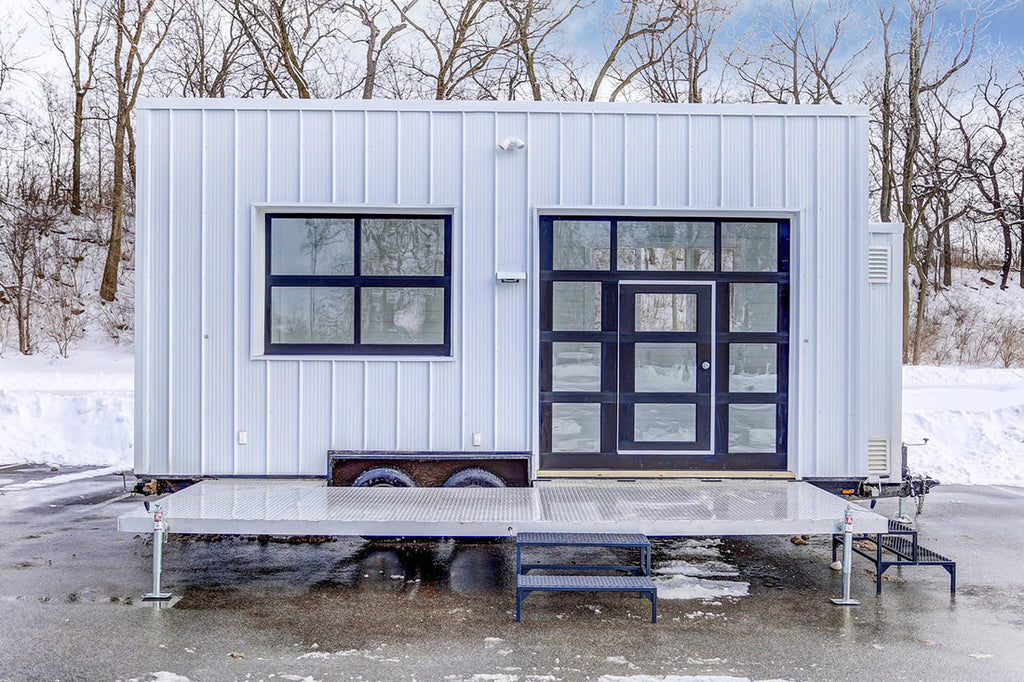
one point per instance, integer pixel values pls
(947, 257)
(108, 287)
(1022, 256)
(1007, 255)
(76, 154)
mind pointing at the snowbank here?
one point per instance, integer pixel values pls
(68, 411)
(973, 419)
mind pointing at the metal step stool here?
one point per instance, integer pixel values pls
(640, 582)
(900, 541)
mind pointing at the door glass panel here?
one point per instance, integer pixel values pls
(751, 428)
(311, 314)
(750, 247)
(576, 427)
(753, 307)
(582, 244)
(575, 366)
(664, 245)
(402, 246)
(576, 306)
(654, 422)
(312, 246)
(665, 367)
(752, 368)
(666, 313)
(393, 315)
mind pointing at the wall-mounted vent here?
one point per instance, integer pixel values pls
(878, 456)
(879, 264)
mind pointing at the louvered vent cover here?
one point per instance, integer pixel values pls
(878, 456)
(878, 264)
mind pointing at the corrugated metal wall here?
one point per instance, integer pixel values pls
(204, 164)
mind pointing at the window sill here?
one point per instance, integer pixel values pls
(320, 357)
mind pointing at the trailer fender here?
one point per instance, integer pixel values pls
(389, 476)
(474, 477)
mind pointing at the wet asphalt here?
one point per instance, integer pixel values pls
(252, 609)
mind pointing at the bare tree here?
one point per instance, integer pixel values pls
(141, 27)
(807, 53)
(78, 35)
(534, 23)
(380, 25)
(678, 65)
(462, 40)
(290, 40)
(994, 169)
(203, 54)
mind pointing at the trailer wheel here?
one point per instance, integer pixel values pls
(474, 478)
(392, 477)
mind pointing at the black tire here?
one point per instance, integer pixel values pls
(389, 476)
(474, 477)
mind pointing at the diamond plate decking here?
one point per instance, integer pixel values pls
(655, 508)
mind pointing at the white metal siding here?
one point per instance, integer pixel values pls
(203, 165)
(885, 346)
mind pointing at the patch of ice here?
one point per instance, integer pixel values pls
(690, 587)
(617, 660)
(702, 569)
(297, 678)
(164, 676)
(60, 479)
(677, 678)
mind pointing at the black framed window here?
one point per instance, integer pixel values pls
(358, 284)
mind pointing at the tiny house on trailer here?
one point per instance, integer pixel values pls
(551, 297)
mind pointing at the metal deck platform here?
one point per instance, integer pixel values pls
(664, 508)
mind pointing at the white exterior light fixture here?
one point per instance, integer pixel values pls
(511, 144)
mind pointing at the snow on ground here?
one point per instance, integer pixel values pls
(694, 570)
(973, 419)
(68, 411)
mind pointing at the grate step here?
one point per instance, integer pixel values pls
(583, 539)
(597, 583)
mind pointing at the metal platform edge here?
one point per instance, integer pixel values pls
(500, 526)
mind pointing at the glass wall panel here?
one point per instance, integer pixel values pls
(653, 423)
(402, 246)
(575, 366)
(576, 427)
(582, 244)
(311, 314)
(665, 367)
(576, 306)
(664, 245)
(753, 307)
(751, 428)
(750, 247)
(666, 313)
(752, 368)
(312, 246)
(392, 315)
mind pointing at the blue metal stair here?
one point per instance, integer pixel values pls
(639, 583)
(897, 547)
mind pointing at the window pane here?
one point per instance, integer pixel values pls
(393, 315)
(653, 422)
(311, 246)
(750, 247)
(576, 306)
(752, 368)
(402, 246)
(311, 315)
(582, 245)
(753, 307)
(576, 427)
(752, 428)
(662, 245)
(665, 367)
(575, 366)
(665, 313)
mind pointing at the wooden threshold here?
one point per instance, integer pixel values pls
(607, 473)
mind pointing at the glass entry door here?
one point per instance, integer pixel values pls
(666, 373)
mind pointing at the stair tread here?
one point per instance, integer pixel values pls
(588, 539)
(572, 582)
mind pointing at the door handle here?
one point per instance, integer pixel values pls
(705, 365)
